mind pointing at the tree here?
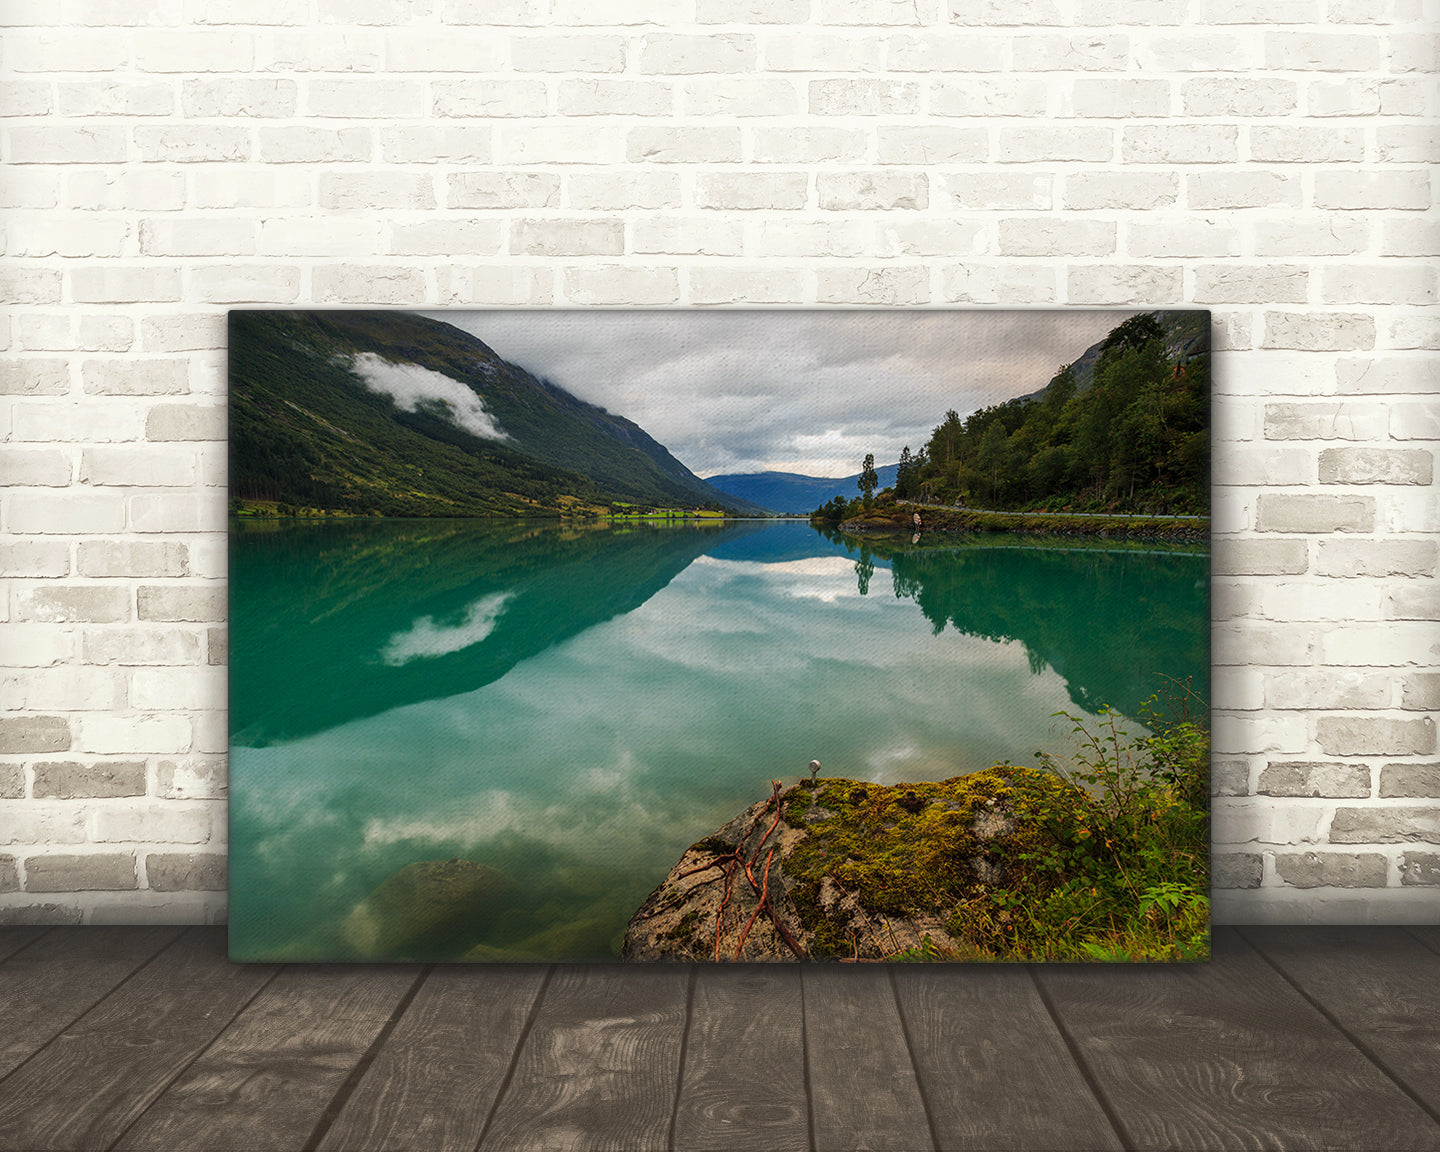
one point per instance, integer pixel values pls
(869, 479)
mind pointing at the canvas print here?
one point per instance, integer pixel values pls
(715, 636)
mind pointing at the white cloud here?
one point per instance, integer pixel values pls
(425, 639)
(410, 385)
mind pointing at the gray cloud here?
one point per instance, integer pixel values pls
(798, 391)
(410, 386)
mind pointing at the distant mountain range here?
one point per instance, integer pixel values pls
(396, 414)
(790, 492)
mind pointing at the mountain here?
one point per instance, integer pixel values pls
(401, 415)
(1187, 335)
(793, 493)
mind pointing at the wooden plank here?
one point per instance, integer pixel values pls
(267, 1080)
(1226, 1055)
(864, 1092)
(744, 1082)
(1379, 984)
(995, 1070)
(17, 936)
(46, 987)
(599, 1067)
(440, 1071)
(94, 1079)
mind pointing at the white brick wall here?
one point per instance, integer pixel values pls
(1269, 159)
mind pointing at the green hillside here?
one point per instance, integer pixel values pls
(307, 431)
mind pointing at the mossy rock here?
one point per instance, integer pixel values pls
(429, 910)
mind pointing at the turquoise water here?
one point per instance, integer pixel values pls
(574, 707)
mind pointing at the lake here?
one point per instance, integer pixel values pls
(575, 706)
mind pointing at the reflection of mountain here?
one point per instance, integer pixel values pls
(1113, 624)
(332, 622)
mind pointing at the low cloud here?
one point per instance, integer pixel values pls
(410, 386)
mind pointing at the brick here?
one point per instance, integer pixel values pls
(872, 191)
(557, 53)
(348, 50)
(1092, 52)
(622, 284)
(504, 12)
(35, 467)
(1420, 691)
(752, 11)
(1308, 236)
(131, 558)
(1001, 191)
(489, 98)
(1300, 778)
(1001, 13)
(986, 96)
(1257, 12)
(9, 874)
(1325, 421)
(191, 50)
(1332, 869)
(991, 284)
(940, 52)
(69, 144)
(1238, 690)
(233, 97)
(37, 237)
(1376, 466)
(863, 96)
(1408, 144)
(20, 734)
(68, 689)
(1124, 284)
(752, 190)
(1421, 602)
(376, 190)
(191, 143)
(1180, 144)
(66, 512)
(1194, 51)
(250, 186)
(446, 238)
(674, 54)
(1268, 822)
(1386, 825)
(721, 285)
(1027, 145)
(877, 12)
(336, 235)
(1253, 643)
(1236, 870)
(71, 780)
(373, 11)
(1407, 330)
(139, 646)
(1347, 97)
(595, 97)
(1242, 189)
(552, 237)
(180, 603)
(140, 734)
(26, 98)
(175, 512)
(1375, 736)
(684, 145)
(495, 285)
(810, 238)
(41, 914)
(1389, 283)
(132, 285)
(167, 823)
(34, 558)
(686, 236)
(1410, 780)
(503, 190)
(34, 376)
(191, 779)
(1420, 868)
(807, 145)
(1322, 52)
(183, 333)
(813, 51)
(95, 872)
(217, 646)
(186, 871)
(1230, 778)
(739, 97)
(1056, 237)
(1106, 98)
(361, 284)
(872, 285)
(29, 285)
(1408, 236)
(931, 144)
(1280, 512)
(1299, 144)
(135, 377)
(1188, 238)
(95, 421)
(1240, 284)
(1373, 190)
(1414, 422)
(305, 144)
(367, 97)
(1128, 189)
(920, 237)
(1238, 96)
(624, 189)
(1349, 558)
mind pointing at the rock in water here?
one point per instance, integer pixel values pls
(429, 910)
(850, 871)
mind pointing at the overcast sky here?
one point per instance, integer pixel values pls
(790, 391)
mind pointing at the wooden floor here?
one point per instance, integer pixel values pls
(147, 1038)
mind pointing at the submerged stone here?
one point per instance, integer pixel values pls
(431, 909)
